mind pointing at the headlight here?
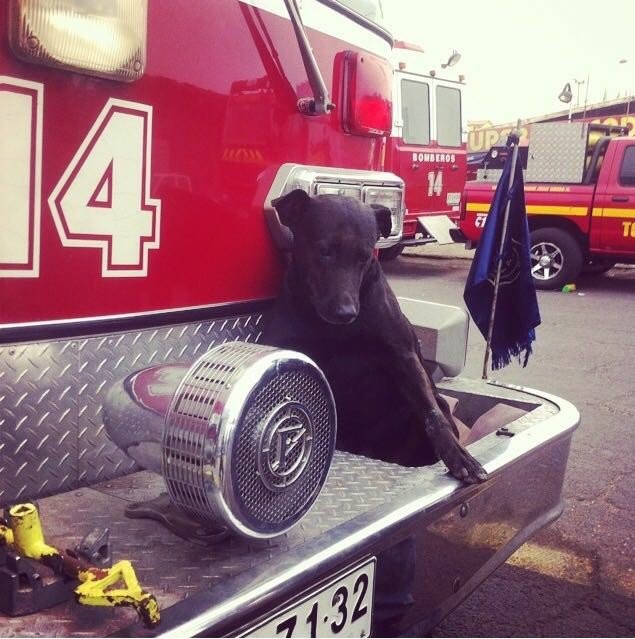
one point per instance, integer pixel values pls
(390, 198)
(350, 190)
(98, 37)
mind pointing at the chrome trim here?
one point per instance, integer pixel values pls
(87, 326)
(300, 176)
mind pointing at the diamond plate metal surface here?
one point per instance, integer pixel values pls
(52, 437)
(171, 568)
(557, 152)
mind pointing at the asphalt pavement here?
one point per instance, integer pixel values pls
(575, 578)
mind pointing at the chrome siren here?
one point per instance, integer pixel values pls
(249, 437)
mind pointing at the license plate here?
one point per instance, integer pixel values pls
(340, 608)
(453, 198)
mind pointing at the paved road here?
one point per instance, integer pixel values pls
(577, 577)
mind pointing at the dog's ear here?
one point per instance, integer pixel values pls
(383, 217)
(289, 206)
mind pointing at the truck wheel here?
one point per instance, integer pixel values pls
(390, 253)
(556, 258)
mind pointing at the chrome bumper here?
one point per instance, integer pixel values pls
(450, 535)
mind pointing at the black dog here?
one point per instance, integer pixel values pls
(337, 307)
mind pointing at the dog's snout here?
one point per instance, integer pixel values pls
(345, 313)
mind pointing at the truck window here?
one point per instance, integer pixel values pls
(448, 116)
(370, 9)
(627, 172)
(415, 112)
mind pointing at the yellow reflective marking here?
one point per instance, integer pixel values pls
(542, 209)
(614, 213)
(477, 207)
(534, 209)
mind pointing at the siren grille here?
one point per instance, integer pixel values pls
(249, 438)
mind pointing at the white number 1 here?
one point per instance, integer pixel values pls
(435, 183)
(20, 177)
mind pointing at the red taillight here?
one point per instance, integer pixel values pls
(409, 228)
(367, 94)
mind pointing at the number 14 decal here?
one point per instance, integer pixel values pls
(102, 199)
(435, 183)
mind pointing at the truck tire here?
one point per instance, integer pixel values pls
(390, 253)
(555, 257)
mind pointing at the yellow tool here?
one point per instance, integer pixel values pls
(24, 533)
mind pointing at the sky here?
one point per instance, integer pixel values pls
(517, 55)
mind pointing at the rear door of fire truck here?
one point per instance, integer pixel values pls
(428, 153)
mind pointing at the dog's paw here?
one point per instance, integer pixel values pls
(459, 462)
(464, 467)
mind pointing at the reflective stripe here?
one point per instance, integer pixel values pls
(615, 213)
(540, 209)
(535, 209)
(477, 207)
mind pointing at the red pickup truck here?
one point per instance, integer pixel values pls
(580, 199)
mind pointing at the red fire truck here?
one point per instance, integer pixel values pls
(426, 148)
(580, 180)
(141, 145)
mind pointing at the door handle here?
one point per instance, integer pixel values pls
(620, 198)
(415, 166)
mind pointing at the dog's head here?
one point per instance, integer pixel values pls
(333, 241)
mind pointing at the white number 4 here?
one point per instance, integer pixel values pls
(102, 200)
(435, 183)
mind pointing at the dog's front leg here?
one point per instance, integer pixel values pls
(420, 388)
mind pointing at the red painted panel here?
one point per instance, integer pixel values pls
(222, 79)
(613, 222)
(537, 197)
(414, 164)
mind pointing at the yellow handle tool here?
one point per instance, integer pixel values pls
(97, 587)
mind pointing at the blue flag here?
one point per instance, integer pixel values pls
(517, 312)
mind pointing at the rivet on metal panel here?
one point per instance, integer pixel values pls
(464, 510)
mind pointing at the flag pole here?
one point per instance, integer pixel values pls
(490, 329)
